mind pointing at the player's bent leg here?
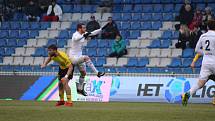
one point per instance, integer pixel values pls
(81, 84)
(68, 93)
(91, 65)
(61, 95)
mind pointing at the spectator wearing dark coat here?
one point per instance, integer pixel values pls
(92, 25)
(186, 14)
(111, 30)
(32, 11)
(194, 36)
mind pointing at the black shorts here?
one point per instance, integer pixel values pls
(63, 72)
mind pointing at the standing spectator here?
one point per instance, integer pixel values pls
(93, 24)
(207, 15)
(184, 34)
(197, 19)
(54, 12)
(32, 11)
(186, 14)
(194, 36)
(111, 30)
(118, 47)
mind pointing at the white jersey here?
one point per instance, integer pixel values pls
(206, 46)
(77, 44)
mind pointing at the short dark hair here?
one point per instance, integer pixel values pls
(53, 47)
(79, 26)
(211, 24)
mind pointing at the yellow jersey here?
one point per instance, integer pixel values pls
(62, 59)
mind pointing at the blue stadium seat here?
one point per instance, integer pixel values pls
(146, 26)
(117, 1)
(36, 25)
(117, 16)
(27, 68)
(51, 42)
(77, 9)
(17, 68)
(147, 17)
(168, 8)
(156, 25)
(25, 25)
(136, 25)
(37, 68)
(2, 51)
(100, 61)
(126, 25)
(188, 53)
(44, 25)
(200, 6)
(117, 8)
(175, 63)
(119, 25)
(154, 70)
(14, 34)
(186, 62)
(168, 17)
(138, 8)
(165, 43)
(126, 17)
(102, 52)
(137, 17)
(110, 70)
(40, 52)
(177, 70)
(157, 17)
(15, 25)
(67, 8)
(167, 34)
(9, 51)
(155, 44)
(175, 34)
(142, 70)
(24, 34)
(127, 1)
(5, 25)
(64, 34)
(93, 43)
(11, 43)
(4, 34)
(147, 8)
(7, 68)
(187, 70)
(158, 8)
(3, 42)
(137, 1)
(132, 62)
(88, 9)
(121, 69)
(21, 42)
(92, 52)
(125, 34)
(48, 69)
(178, 7)
(178, 1)
(103, 43)
(33, 33)
(61, 43)
(134, 34)
(143, 62)
(132, 70)
(127, 8)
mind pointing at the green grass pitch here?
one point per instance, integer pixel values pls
(113, 111)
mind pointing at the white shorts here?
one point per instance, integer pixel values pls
(79, 62)
(206, 71)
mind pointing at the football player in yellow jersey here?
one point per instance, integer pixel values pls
(65, 73)
(212, 77)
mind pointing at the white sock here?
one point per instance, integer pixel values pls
(81, 83)
(91, 65)
(194, 89)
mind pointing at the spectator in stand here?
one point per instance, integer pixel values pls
(197, 20)
(32, 11)
(54, 12)
(207, 15)
(184, 34)
(186, 14)
(194, 36)
(111, 30)
(93, 24)
(118, 47)
(105, 6)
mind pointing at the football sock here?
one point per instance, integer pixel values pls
(61, 95)
(194, 89)
(69, 97)
(91, 65)
(81, 82)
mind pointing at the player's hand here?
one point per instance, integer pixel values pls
(43, 66)
(86, 34)
(192, 65)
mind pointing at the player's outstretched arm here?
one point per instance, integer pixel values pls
(46, 62)
(97, 31)
(197, 56)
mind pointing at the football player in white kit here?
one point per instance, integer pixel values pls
(79, 38)
(206, 47)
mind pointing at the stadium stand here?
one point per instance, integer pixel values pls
(146, 25)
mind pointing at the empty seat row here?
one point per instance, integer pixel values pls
(168, 34)
(139, 25)
(23, 34)
(12, 42)
(25, 25)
